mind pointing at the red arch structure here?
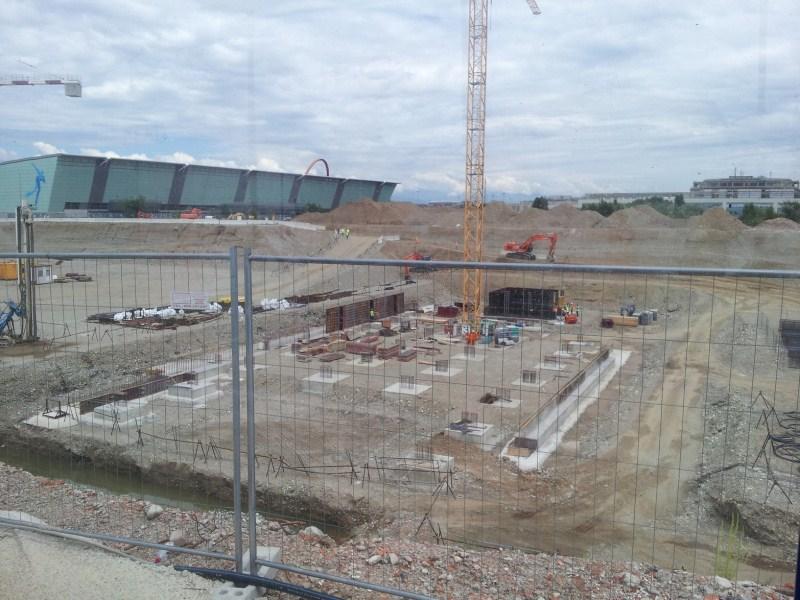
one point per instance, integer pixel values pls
(319, 160)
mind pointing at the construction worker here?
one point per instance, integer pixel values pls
(371, 313)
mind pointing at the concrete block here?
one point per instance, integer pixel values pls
(396, 390)
(318, 383)
(227, 591)
(450, 372)
(193, 392)
(123, 410)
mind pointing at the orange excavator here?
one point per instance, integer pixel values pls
(408, 269)
(191, 215)
(524, 250)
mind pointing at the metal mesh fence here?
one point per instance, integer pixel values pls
(654, 434)
(125, 394)
(648, 432)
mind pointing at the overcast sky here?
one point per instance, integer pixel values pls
(611, 95)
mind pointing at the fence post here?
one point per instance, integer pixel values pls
(251, 416)
(236, 410)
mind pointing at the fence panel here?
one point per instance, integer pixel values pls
(123, 404)
(654, 440)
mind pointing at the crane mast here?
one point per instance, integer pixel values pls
(475, 182)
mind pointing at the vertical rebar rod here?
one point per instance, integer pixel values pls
(251, 423)
(236, 410)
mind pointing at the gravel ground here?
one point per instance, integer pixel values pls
(43, 566)
(393, 557)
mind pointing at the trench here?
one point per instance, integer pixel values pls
(104, 467)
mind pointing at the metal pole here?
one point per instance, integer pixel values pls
(33, 329)
(251, 413)
(236, 410)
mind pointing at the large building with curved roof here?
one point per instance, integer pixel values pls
(72, 184)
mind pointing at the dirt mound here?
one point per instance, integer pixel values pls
(638, 216)
(178, 236)
(562, 216)
(368, 212)
(779, 223)
(719, 219)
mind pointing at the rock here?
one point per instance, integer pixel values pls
(361, 547)
(722, 583)
(393, 558)
(274, 526)
(374, 559)
(178, 537)
(315, 535)
(312, 531)
(152, 511)
(631, 580)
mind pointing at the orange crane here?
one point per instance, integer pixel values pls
(475, 181)
(524, 250)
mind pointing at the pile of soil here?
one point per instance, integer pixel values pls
(563, 216)
(368, 212)
(719, 219)
(637, 217)
(779, 223)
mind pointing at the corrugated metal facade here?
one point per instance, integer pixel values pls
(88, 182)
(355, 313)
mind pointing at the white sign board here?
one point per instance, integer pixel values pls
(190, 300)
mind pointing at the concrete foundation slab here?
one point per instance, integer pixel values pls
(412, 390)
(319, 384)
(475, 433)
(193, 391)
(451, 372)
(376, 362)
(122, 410)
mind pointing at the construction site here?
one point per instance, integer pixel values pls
(620, 416)
(476, 400)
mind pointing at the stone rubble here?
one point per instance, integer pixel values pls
(393, 558)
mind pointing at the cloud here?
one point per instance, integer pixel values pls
(45, 148)
(620, 95)
(7, 154)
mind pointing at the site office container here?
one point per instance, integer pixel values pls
(355, 313)
(526, 303)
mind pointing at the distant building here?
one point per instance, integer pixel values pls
(733, 193)
(81, 185)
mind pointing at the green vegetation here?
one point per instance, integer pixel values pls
(753, 215)
(677, 209)
(729, 552)
(791, 210)
(540, 202)
(312, 208)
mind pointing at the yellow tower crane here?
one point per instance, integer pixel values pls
(475, 182)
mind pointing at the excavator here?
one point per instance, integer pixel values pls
(408, 269)
(524, 250)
